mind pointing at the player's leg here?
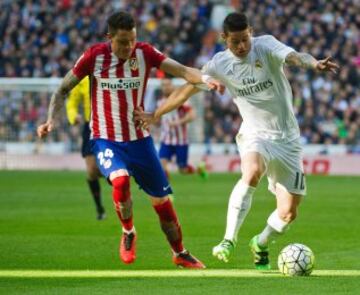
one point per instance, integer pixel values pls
(112, 161)
(120, 181)
(287, 182)
(165, 154)
(286, 212)
(171, 227)
(92, 170)
(252, 167)
(182, 161)
(277, 224)
(182, 152)
(150, 176)
(93, 175)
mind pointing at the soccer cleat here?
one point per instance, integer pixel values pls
(186, 260)
(202, 171)
(261, 255)
(100, 214)
(128, 247)
(223, 250)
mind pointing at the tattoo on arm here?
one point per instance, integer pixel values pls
(58, 98)
(302, 60)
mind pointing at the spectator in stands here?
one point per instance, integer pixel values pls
(29, 50)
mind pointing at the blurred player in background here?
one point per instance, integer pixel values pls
(174, 135)
(268, 140)
(81, 95)
(119, 72)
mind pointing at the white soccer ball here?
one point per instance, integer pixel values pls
(296, 260)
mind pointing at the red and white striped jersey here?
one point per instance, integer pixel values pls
(117, 87)
(177, 135)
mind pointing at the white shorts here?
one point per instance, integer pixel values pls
(283, 161)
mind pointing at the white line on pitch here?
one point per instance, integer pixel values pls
(162, 273)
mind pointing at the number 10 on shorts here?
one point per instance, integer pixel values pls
(299, 181)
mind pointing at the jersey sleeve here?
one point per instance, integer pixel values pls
(277, 50)
(84, 65)
(153, 56)
(207, 69)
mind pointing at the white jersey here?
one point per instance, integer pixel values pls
(260, 88)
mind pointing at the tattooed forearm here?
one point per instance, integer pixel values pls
(302, 60)
(58, 98)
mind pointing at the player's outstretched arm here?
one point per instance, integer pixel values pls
(176, 99)
(306, 61)
(57, 102)
(192, 75)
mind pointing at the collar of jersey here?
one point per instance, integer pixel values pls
(238, 59)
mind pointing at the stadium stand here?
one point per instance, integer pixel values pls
(44, 38)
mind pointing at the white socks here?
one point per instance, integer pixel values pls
(238, 208)
(275, 227)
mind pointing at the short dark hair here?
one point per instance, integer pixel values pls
(121, 20)
(234, 22)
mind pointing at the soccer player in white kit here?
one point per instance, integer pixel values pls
(268, 140)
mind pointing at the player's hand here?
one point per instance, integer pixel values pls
(143, 119)
(325, 65)
(44, 129)
(214, 84)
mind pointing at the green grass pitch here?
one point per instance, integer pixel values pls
(50, 242)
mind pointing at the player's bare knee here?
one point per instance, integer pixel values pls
(252, 174)
(287, 215)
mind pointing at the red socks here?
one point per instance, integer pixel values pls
(167, 215)
(170, 225)
(122, 201)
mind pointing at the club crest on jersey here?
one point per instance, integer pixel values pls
(133, 64)
(258, 64)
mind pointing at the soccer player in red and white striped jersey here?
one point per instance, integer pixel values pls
(174, 125)
(118, 71)
(174, 134)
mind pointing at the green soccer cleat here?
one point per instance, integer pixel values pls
(202, 171)
(261, 255)
(223, 250)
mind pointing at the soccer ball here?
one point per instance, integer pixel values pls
(296, 260)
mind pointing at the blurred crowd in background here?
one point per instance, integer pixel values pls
(44, 38)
